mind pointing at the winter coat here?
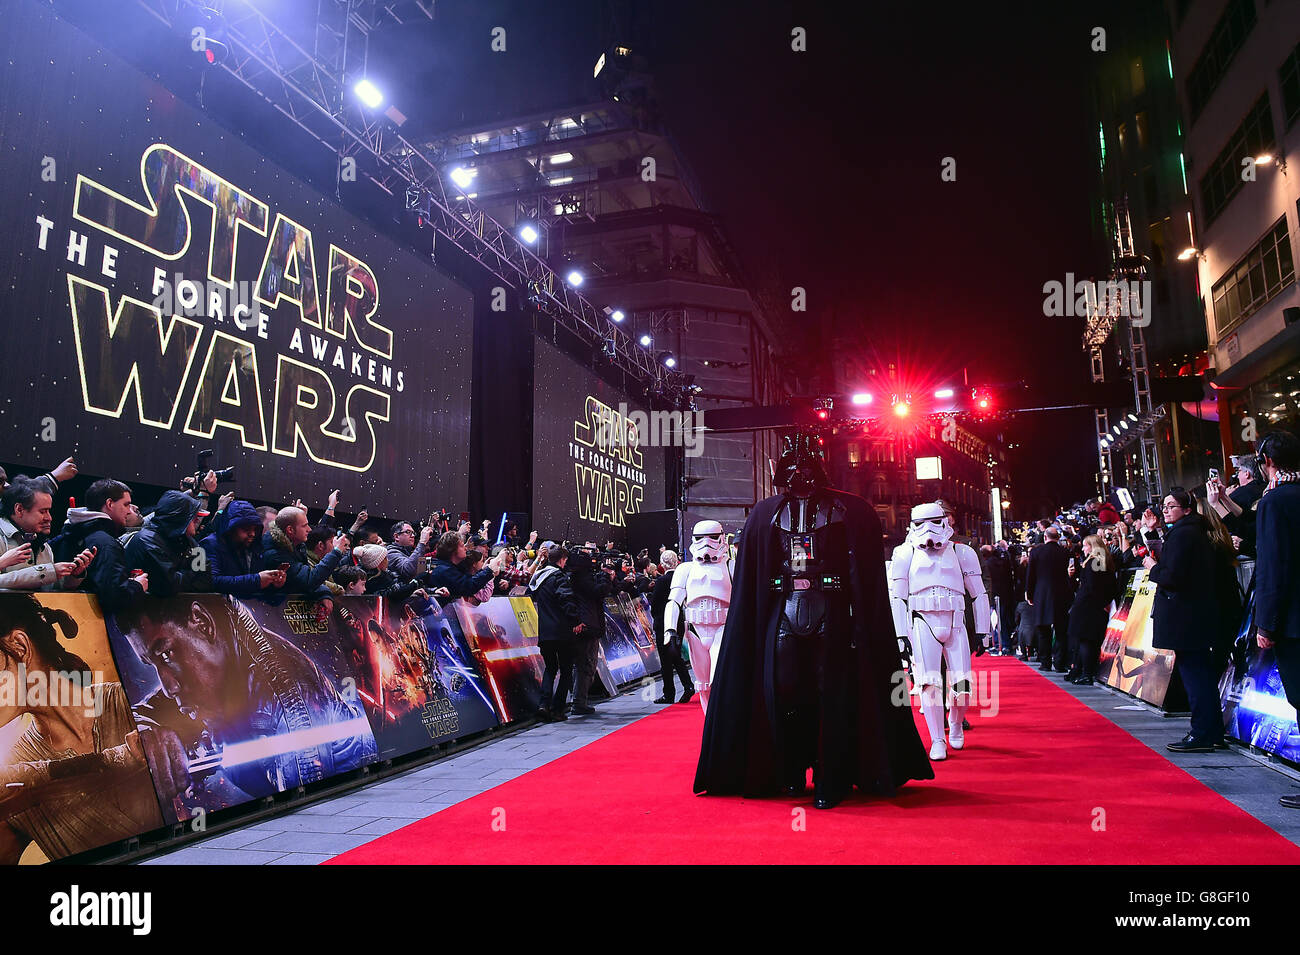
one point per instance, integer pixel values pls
(302, 578)
(165, 552)
(1186, 612)
(459, 583)
(234, 569)
(387, 584)
(591, 586)
(107, 577)
(404, 562)
(557, 607)
(1048, 583)
(1277, 563)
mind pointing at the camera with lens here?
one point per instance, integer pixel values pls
(224, 475)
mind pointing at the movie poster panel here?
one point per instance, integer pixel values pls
(629, 646)
(1255, 707)
(506, 654)
(243, 700)
(73, 775)
(1134, 666)
(416, 677)
(1114, 638)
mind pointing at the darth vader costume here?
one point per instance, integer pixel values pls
(809, 673)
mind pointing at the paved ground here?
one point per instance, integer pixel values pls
(334, 825)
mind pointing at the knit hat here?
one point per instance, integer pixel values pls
(370, 556)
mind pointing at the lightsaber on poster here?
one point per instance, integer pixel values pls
(512, 653)
(470, 677)
(267, 747)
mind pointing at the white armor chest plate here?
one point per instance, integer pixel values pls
(708, 593)
(931, 568)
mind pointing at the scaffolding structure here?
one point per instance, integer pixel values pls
(308, 72)
(1105, 314)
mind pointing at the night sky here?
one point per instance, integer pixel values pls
(825, 166)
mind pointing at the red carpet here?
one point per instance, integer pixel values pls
(1045, 780)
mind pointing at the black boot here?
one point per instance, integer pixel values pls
(825, 796)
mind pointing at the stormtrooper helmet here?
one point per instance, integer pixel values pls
(707, 542)
(931, 529)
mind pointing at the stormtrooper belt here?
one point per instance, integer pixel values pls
(789, 584)
(936, 598)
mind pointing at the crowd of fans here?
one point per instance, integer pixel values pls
(1054, 592)
(192, 541)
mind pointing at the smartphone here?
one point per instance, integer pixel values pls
(284, 568)
(1214, 474)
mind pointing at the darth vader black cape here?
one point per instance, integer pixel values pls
(873, 739)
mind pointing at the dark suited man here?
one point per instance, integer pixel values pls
(591, 585)
(1277, 563)
(670, 655)
(1047, 587)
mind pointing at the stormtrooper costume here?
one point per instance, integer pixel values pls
(701, 592)
(929, 578)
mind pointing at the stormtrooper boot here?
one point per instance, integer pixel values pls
(933, 713)
(956, 726)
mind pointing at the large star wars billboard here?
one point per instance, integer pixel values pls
(592, 463)
(171, 291)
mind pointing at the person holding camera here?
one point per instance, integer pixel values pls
(406, 552)
(1237, 507)
(559, 623)
(592, 583)
(25, 518)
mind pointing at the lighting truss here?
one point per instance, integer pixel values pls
(307, 74)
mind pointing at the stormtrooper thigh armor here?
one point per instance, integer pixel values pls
(698, 599)
(930, 577)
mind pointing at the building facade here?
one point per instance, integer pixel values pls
(602, 189)
(1240, 66)
(1142, 208)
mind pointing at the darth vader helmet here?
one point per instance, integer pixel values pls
(802, 467)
